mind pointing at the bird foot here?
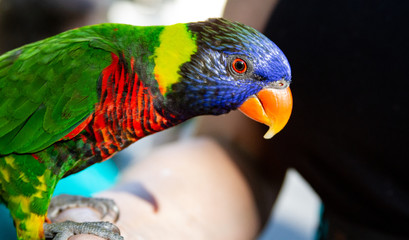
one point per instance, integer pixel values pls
(63, 202)
(64, 230)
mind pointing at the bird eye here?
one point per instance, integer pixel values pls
(239, 65)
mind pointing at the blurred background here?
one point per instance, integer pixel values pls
(296, 212)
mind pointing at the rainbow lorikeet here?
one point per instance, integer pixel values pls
(79, 97)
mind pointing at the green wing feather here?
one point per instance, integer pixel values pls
(49, 87)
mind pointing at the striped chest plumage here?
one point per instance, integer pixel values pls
(132, 91)
(125, 112)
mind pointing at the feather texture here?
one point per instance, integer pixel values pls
(79, 97)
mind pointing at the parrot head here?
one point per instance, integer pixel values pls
(232, 66)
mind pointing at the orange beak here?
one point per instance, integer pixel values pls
(269, 106)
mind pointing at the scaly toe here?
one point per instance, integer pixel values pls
(64, 230)
(63, 202)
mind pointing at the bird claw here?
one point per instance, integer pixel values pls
(64, 230)
(63, 202)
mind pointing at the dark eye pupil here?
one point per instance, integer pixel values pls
(240, 65)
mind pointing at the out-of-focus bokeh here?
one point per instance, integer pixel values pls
(164, 12)
(25, 21)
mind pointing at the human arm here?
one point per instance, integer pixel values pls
(200, 194)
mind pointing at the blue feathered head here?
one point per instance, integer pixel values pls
(232, 63)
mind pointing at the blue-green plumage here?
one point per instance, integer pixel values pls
(208, 82)
(77, 98)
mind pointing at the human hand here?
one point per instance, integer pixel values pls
(199, 194)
